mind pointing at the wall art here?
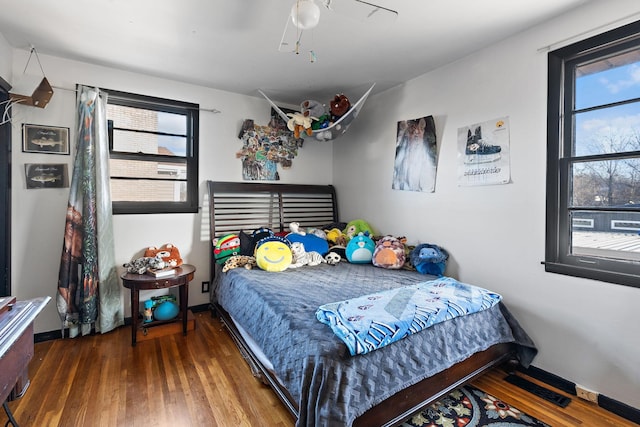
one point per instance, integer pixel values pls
(46, 175)
(45, 139)
(416, 155)
(483, 153)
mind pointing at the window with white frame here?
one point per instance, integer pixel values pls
(153, 154)
(593, 158)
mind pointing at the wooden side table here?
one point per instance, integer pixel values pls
(137, 282)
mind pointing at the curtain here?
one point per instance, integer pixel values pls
(88, 287)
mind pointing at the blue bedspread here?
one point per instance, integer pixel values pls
(372, 321)
(332, 387)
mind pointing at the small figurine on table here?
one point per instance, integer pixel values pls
(148, 314)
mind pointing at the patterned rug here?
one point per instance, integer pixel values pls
(471, 407)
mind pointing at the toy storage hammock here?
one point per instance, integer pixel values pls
(339, 127)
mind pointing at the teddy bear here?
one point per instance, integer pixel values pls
(300, 123)
(294, 227)
(169, 253)
(314, 108)
(339, 106)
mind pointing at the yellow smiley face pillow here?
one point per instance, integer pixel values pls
(273, 254)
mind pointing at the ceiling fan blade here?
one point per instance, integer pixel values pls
(291, 37)
(362, 10)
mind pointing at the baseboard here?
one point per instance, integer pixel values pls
(58, 334)
(614, 406)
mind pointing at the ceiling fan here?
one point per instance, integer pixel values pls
(305, 15)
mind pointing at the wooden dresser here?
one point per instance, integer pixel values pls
(16, 345)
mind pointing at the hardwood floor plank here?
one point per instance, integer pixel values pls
(198, 380)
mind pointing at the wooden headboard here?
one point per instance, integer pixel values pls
(235, 206)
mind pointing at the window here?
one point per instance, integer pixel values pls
(153, 147)
(593, 158)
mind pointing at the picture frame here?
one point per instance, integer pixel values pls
(46, 175)
(45, 139)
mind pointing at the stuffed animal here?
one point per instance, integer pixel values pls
(295, 228)
(389, 253)
(339, 106)
(299, 123)
(225, 247)
(360, 249)
(332, 258)
(142, 264)
(429, 259)
(355, 227)
(335, 236)
(300, 257)
(236, 261)
(169, 254)
(312, 108)
(273, 253)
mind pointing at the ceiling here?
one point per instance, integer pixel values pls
(233, 44)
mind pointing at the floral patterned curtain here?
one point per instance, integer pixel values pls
(88, 288)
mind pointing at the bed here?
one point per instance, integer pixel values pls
(271, 318)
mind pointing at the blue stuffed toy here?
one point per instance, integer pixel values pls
(360, 249)
(429, 259)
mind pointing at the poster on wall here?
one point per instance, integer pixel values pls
(263, 149)
(46, 175)
(416, 156)
(483, 153)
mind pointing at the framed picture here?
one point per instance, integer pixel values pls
(46, 175)
(45, 139)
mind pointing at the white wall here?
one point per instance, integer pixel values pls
(38, 214)
(5, 64)
(586, 331)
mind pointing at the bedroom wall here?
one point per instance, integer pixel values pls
(586, 330)
(5, 64)
(38, 215)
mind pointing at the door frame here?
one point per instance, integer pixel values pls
(5, 193)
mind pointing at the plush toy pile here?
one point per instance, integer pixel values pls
(354, 242)
(167, 256)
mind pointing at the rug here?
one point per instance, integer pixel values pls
(471, 407)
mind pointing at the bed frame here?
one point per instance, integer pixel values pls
(248, 206)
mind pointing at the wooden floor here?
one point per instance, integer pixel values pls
(197, 380)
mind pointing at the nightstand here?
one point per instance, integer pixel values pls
(137, 282)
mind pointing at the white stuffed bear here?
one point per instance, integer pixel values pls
(294, 227)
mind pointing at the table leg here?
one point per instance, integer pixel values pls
(135, 307)
(184, 305)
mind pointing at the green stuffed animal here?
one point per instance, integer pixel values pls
(357, 226)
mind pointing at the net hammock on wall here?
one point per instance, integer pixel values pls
(338, 127)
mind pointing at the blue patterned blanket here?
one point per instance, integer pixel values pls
(375, 320)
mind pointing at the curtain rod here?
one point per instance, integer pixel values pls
(587, 32)
(210, 110)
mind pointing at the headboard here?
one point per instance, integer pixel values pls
(235, 206)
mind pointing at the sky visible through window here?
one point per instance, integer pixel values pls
(608, 129)
(176, 124)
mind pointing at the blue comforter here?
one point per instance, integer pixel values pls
(372, 321)
(331, 386)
